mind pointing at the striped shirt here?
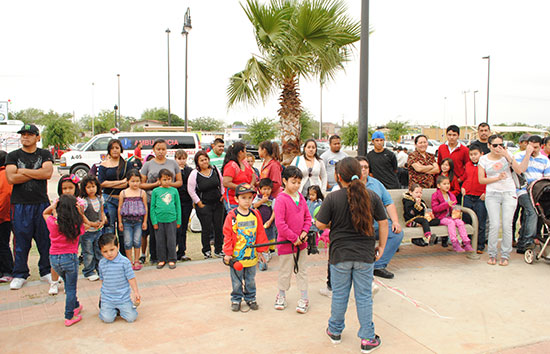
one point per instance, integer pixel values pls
(538, 167)
(216, 160)
(115, 275)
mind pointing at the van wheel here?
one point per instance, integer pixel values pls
(81, 171)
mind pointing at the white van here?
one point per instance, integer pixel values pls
(94, 151)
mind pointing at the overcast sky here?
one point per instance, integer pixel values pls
(421, 52)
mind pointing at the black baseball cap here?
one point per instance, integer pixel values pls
(244, 188)
(29, 128)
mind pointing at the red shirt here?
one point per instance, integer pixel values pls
(137, 152)
(471, 184)
(460, 157)
(239, 176)
(5, 195)
(272, 170)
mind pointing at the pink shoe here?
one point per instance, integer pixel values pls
(77, 310)
(457, 248)
(468, 247)
(72, 321)
(137, 266)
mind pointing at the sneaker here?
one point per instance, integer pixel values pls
(253, 305)
(219, 254)
(267, 256)
(72, 321)
(142, 259)
(325, 292)
(6, 278)
(368, 345)
(207, 254)
(17, 283)
(334, 338)
(375, 288)
(54, 288)
(303, 306)
(93, 277)
(262, 266)
(235, 306)
(46, 278)
(185, 258)
(280, 303)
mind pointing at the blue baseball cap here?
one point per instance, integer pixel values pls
(378, 135)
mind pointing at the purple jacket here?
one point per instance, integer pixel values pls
(440, 207)
(291, 220)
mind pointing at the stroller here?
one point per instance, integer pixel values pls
(539, 193)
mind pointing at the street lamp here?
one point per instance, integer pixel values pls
(185, 32)
(475, 118)
(118, 78)
(93, 110)
(116, 109)
(168, 43)
(465, 113)
(488, 57)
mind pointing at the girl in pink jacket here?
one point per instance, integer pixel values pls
(443, 203)
(293, 222)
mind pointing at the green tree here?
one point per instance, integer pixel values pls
(60, 130)
(29, 115)
(161, 114)
(260, 130)
(310, 39)
(349, 135)
(104, 122)
(310, 127)
(396, 130)
(208, 124)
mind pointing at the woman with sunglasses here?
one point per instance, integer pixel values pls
(312, 166)
(495, 170)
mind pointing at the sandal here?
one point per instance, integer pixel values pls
(503, 262)
(161, 265)
(172, 265)
(492, 261)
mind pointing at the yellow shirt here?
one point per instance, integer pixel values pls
(245, 227)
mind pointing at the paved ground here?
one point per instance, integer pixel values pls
(480, 308)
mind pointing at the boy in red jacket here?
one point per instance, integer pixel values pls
(243, 228)
(474, 195)
(455, 150)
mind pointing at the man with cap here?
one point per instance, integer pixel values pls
(483, 133)
(523, 142)
(383, 162)
(29, 169)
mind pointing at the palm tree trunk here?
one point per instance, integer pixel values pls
(289, 115)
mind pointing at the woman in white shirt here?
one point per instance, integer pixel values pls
(312, 167)
(494, 170)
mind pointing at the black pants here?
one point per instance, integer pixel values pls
(519, 210)
(6, 256)
(186, 208)
(211, 217)
(426, 224)
(166, 241)
(152, 239)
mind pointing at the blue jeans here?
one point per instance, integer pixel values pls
(90, 251)
(108, 311)
(132, 233)
(66, 265)
(529, 221)
(392, 244)
(111, 209)
(28, 224)
(342, 275)
(247, 276)
(478, 206)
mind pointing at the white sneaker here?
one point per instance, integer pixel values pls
(303, 306)
(93, 277)
(280, 302)
(375, 288)
(325, 292)
(47, 278)
(17, 283)
(54, 288)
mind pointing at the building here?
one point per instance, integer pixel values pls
(146, 123)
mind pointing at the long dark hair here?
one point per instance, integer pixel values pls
(272, 149)
(199, 154)
(232, 153)
(304, 149)
(451, 167)
(68, 178)
(69, 219)
(84, 182)
(359, 202)
(121, 161)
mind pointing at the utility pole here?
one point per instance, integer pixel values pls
(364, 81)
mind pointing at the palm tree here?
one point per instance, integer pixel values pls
(310, 39)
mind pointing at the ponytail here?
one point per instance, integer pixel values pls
(272, 149)
(349, 170)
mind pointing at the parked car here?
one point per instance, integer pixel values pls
(58, 151)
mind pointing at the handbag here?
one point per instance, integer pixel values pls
(519, 179)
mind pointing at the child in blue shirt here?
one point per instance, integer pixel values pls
(314, 200)
(264, 202)
(118, 277)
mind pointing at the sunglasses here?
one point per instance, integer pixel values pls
(497, 145)
(310, 170)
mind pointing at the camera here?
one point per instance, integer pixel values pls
(312, 243)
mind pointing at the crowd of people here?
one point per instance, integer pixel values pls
(248, 215)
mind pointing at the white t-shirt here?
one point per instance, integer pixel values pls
(493, 168)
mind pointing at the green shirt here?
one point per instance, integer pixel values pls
(165, 205)
(216, 160)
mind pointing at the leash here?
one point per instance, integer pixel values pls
(295, 255)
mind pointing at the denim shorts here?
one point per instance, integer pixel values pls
(132, 233)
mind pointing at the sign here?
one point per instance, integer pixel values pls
(3, 111)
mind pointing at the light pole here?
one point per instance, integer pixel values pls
(185, 32)
(116, 109)
(93, 110)
(363, 125)
(321, 110)
(168, 46)
(488, 57)
(465, 113)
(116, 125)
(475, 117)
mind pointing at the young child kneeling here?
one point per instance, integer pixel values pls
(118, 277)
(243, 228)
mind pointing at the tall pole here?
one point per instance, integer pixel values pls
(93, 110)
(465, 113)
(186, 28)
(475, 117)
(168, 46)
(321, 110)
(488, 57)
(118, 122)
(364, 81)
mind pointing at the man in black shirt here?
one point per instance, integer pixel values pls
(29, 169)
(383, 162)
(483, 133)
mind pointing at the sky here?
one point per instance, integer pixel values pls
(423, 55)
